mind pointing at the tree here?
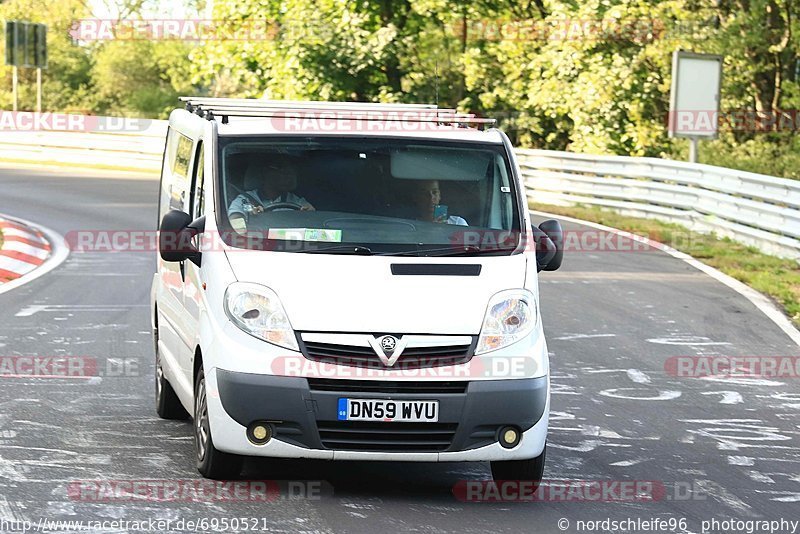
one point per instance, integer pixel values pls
(66, 80)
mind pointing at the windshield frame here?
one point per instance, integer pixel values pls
(234, 240)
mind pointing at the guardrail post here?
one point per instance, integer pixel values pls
(693, 150)
(14, 82)
(38, 89)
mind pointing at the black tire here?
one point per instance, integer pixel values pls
(524, 470)
(211, 463)
(168, 406)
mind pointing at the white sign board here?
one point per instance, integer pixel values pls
(694, 99)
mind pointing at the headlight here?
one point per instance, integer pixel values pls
(510, 316)
(258, 311)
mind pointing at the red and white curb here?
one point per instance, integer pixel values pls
(23, 250)
(28, 251)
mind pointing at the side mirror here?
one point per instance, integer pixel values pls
(175, 237)
(545, 249)
(552, 229)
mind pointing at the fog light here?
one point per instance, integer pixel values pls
(259, 433)
(509, 437)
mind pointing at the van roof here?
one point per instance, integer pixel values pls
(240, 116)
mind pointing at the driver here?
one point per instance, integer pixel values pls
(265, 186)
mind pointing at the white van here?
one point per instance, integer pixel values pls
(349, 282)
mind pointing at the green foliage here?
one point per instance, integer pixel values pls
(598, 81)
(65, 82)
(771, 154)
(590, 76)
(138, 78)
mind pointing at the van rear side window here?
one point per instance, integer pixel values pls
(180, 165)
(179, 150)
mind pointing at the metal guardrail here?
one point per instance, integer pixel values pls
(755, 209)
(136, 149)
(758, 210)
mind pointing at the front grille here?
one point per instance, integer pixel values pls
(411, 358)
(421, 357)
(341, 354)
(383, 437)
(381, 386)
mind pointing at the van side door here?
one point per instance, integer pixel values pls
(174, 196)
(193, 280)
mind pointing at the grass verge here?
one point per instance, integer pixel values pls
(778, 278)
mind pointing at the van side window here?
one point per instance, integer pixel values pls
(179, 182)
(184, 152)
(503, 186)
(166, 171)
(198, 196)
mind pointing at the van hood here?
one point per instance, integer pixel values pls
(343, 293)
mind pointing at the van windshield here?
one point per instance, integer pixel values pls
(367, 196)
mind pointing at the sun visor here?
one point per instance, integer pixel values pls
(426, 163)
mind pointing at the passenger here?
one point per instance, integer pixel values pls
(265, 186)
(426, 197)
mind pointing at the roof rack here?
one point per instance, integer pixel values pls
(211, 108)
(282, 104)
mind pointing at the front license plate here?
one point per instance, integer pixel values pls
(388, 410)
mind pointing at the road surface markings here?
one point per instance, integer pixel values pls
(570, 337)
(758, 300)
(33, 309)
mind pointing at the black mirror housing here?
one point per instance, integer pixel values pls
(555, 233)
(545, 249)
(175, 237)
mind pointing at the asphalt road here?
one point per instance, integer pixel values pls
(724, 449)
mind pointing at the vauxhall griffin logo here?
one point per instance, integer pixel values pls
(388, 348)
(388, 344)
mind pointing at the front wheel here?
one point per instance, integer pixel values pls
(524, 470)
(211, 463)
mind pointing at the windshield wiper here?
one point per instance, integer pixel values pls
(464, 250)
(341, 249)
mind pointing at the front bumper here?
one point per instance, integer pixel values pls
(303, 413)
